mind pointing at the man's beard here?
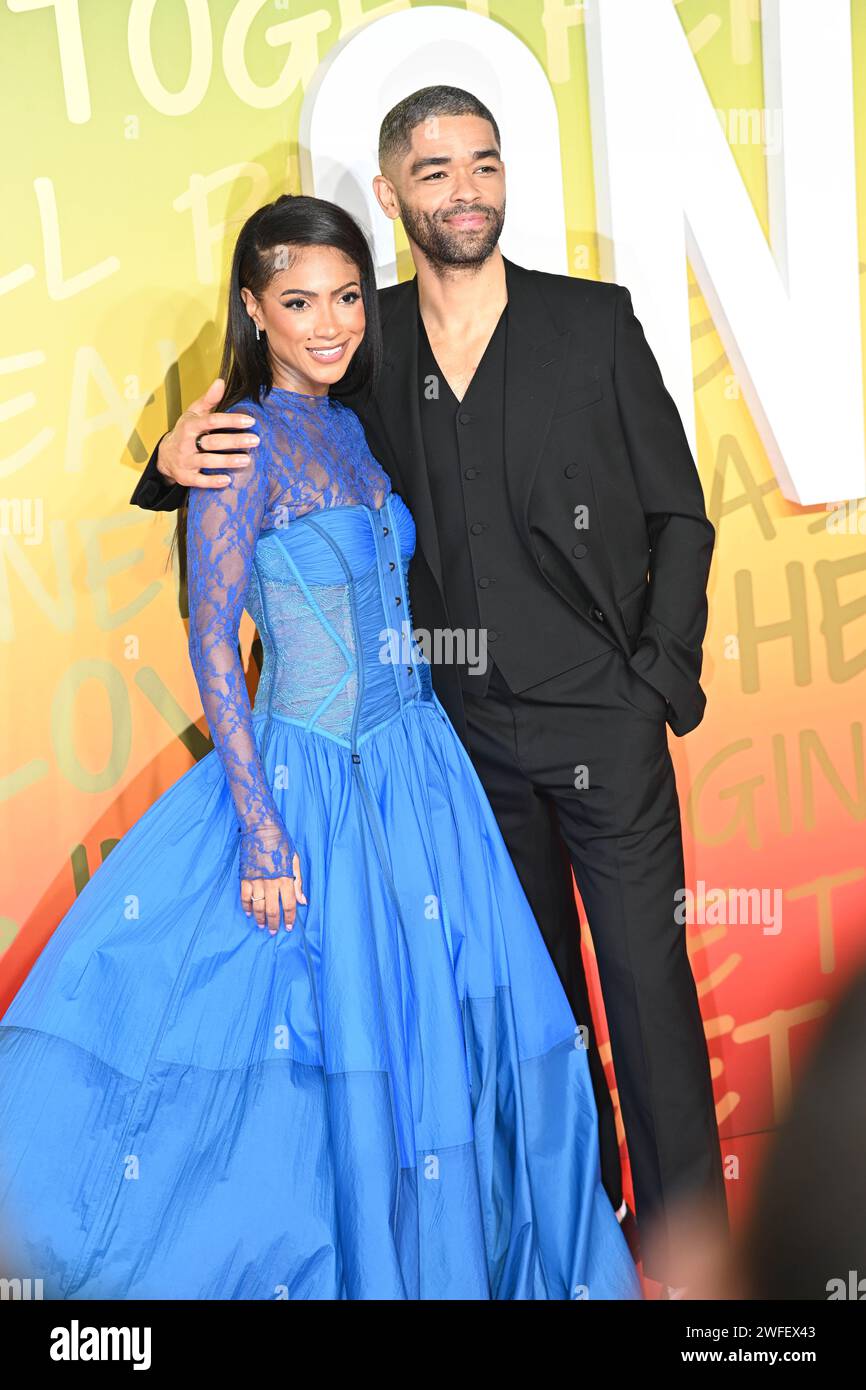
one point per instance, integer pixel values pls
(444, 247)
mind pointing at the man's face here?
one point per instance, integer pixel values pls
(450, 190)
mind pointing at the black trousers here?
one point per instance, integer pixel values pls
(579, 775)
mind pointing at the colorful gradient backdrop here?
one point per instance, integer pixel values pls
(113, 254)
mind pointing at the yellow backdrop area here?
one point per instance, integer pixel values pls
(136, 144)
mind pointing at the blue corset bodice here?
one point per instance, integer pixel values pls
(328, 594)
(309, 538)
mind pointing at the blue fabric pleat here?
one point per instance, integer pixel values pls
(388, 1102)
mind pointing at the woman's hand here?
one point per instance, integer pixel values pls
(267, 899)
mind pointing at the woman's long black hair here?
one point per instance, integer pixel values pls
(265, 246)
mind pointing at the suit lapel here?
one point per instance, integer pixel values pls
(534, 364)
(401, 419)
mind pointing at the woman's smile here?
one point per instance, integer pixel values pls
(329, 354)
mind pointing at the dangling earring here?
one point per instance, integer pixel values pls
(258, 334)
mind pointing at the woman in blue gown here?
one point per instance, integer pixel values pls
(300, 1036)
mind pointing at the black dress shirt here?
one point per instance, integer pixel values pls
(492, 581)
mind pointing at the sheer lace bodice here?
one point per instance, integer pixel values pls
(313, 456)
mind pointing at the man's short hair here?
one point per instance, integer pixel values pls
(395, 133)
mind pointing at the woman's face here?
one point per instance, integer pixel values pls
(313, 316)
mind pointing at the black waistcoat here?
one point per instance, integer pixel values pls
(491, 579)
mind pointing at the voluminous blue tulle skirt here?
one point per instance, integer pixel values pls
(388, 1102)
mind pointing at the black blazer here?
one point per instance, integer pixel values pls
(588, 421)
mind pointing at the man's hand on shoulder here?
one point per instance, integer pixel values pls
(200, 432)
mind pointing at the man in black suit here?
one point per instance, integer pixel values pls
(559, 514)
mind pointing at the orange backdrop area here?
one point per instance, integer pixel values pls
(113, 300)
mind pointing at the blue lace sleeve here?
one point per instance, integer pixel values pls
(222, 528)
